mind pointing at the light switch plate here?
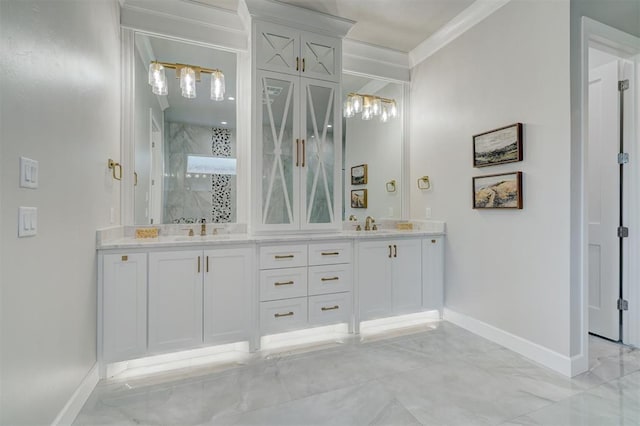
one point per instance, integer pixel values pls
(28, 173)
(27, 221)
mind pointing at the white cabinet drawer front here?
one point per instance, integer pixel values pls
(330, 253)
(283, 315)
(283, 283)
(329, 279)
(272, 257)
(330, 308)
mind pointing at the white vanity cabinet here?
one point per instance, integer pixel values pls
(291, 51)
(198, 297)
(124, 306)
(433, 272)
(389, 277)
(297, 131)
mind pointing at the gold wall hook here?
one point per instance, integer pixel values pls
(424, 182)
(115, 166)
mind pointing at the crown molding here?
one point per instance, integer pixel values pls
(461, 23)
(299, 17)
(368, 59)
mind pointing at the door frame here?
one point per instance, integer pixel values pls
(625, 46)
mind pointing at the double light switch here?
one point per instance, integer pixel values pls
(28, 173)
(28, 221)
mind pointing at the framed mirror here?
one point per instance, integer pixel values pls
(376, 146)
(184, 144)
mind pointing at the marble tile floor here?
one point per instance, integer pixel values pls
(430, 374)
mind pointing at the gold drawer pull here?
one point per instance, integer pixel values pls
(330, 279)
(283, 283)
(433, 241)
(332, 253)
(125, 258)
(331, 308)
(288, 314)
(288, 256)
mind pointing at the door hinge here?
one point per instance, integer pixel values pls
(623, 85)
(623, 157)
(623, 305)
(623, 232)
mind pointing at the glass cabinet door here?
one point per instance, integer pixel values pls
(321, 146)
(278, 110)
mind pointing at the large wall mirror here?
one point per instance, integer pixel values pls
(185, 148)
(378, 145)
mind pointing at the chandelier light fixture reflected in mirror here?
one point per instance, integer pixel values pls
(370, 106)
(188, 75)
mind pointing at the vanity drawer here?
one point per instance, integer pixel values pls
(283, 315)
(329, 253)
(325, 279)
(287, 256)
(283, 283)
(330, 308)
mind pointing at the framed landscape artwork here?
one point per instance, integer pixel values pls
(359, 199)
(502, 191)
(359, 175)
(503, 145)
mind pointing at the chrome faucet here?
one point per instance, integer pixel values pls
(203, 227)
(367, 223)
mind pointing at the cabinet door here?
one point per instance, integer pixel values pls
(407, 276)
(374, 279)
(433, 273)
(321, 154)
(321, 57)
(277, 48)
(278, 151)
(228, 280)
(175, 300)
(124, 306)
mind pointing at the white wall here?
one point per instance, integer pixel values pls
(60, 105)
(509, 269)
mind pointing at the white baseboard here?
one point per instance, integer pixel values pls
(561, 363)
(70, 411)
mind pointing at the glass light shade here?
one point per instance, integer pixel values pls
(367, 113)
(188, 82)
(156, 73)
(384, 116)
(217, 86)
(394, 110)
(357, 103)
(348, 108)
(160, 87)
(376, 106)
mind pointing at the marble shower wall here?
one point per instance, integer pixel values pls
(190, 197)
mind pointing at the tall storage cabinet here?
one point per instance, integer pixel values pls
(298, 129)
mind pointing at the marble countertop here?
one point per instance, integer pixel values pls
(239, 238)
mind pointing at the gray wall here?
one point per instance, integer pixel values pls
(623, 15)
(508, 269)
(60, 105)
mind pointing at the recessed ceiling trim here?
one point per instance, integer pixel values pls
(464, 21)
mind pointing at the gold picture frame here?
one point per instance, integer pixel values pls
(359, 175)
(358, 198)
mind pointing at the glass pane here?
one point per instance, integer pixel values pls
(320, 154)
(277, 151)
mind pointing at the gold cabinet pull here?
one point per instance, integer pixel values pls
(135, 179)
(302, 64)
(125, 258)
(330, 308)
(198, 264)
(330, 279)
(283, 283)
(433, 241)
(297, 63)
(331, 253)
(288, 256)
(395, 250)
(207, 263)
(297, 152)
(115, 166)
(303, 153)
(288, 314)
(389, 251)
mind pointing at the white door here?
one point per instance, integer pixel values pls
(603, 185)
(175, 300)
(321, 57)
(374, 279)
(277, 48)
(228, 280)
(407, 276)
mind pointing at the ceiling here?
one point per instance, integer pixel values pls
(394, 24)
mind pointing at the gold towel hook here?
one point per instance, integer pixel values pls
(115, 166)
(424, 183)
